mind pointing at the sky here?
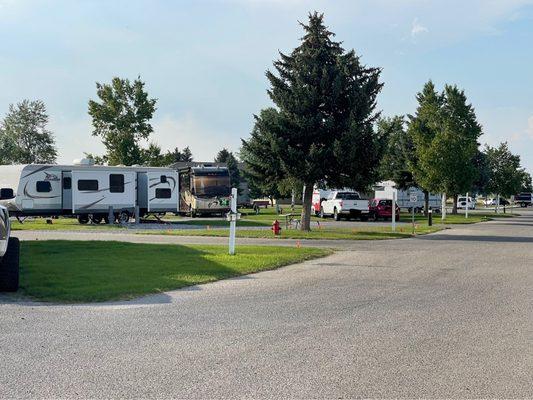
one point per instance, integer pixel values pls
(205, 61)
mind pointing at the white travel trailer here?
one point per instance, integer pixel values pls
(383, 190)
(87, 191)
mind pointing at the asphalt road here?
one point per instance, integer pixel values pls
(444, 315)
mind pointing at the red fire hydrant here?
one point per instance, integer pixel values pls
(276, 228)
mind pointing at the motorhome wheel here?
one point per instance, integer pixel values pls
(83, 219)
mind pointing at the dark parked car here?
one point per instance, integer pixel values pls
(9, 255)
(382, 208)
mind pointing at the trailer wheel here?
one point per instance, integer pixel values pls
(363, 218)
(9, 267)
(123, 217)
(96, 218)
(83, 219)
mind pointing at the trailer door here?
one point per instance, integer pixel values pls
(162, 191)
(66, 194)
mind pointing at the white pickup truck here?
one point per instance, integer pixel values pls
(344, 204)
(9, 255)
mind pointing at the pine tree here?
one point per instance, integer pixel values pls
(322, 126)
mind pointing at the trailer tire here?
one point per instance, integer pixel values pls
(9, 267)
(123, 217)
(363, 218)
(96, 218)
(83, 219)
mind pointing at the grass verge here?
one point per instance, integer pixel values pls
(365, 233)
(76, 271)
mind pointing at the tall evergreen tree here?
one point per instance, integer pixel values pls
(322, 126)
(121, 118)
(422, 129)
(24, 138)
(445, 133)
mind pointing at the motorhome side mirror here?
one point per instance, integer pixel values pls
(6, 194)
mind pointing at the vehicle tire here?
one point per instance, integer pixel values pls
(83, 219)
(523, 205)
(322, 215)
(9, 267)
(96, 218)
(374, 217)
(123, 217)
(363, 218)
(336, 215)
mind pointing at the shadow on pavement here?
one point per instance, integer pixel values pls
(478, 238)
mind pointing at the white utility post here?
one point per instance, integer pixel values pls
(466, 208)
(394, 196)
(413, 199)
(443, 211)
(497, 204)
(232, 218)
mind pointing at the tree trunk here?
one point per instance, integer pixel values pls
(454, 209)
(443, 207)
(306, 210)
(426, 202)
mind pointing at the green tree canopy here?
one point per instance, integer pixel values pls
(398, 152)
(322, 126)
(506, 174)
(121, 118)
(24, 138)
(445, 132)
(227, 157)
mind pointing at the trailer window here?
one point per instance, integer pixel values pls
(43, 186)
(67, 183)
(163, 193)
(116, 183)
(88, 184)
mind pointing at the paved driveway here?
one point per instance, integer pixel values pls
(445, 315)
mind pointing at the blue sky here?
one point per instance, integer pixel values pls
(205, 60)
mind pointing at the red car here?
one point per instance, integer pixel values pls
(382, 208)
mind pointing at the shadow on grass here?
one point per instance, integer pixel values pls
(75, 271)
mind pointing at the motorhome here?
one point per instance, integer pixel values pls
(87, 191)
(384, 190)
(204, 189)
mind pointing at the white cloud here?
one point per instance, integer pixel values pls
(417, 28)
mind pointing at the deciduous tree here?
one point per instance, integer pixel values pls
(121, 118)
(24, 138)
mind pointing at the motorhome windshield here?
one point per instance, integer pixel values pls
(211, 183)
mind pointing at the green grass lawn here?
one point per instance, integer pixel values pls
(75, 271)
(67, 224)
(455, 219)
(363, 233)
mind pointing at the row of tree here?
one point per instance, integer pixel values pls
(325, 130)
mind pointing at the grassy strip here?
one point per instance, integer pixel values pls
(366, 233)
(59, 224)
(451, 219)
(75, 271)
